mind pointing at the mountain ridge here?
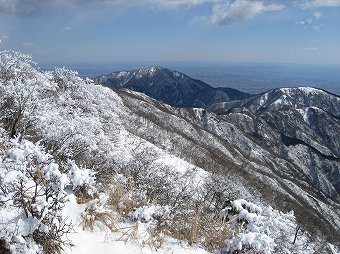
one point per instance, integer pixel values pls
(302, 95)
(171, 87)
(302, 116)
(243, 144)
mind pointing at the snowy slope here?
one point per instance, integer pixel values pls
(305, 118)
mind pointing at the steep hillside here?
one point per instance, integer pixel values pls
(251, 153)
(304, 118)
(171, 87)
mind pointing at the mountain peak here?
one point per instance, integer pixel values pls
(156, 68)
(171, 87)
(302, 89)
(150, 72)
(153, 69)
(165, 71)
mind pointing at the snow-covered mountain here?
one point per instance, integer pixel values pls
(134, 175)
(258, 151)
(298, 130)
(171, 87)
(303, 117)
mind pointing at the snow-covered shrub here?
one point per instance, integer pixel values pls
(66, 79)
(333, 249)
(150, 213)
(192, 205)
(256, 228)
(71, 123)
(33, 195)
(155, 219)
(83, 181)
(48, 106)
(21, 87)
(216, 191)
(194, 217)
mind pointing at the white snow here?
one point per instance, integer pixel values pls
(103, 241)
(122, 74)
(177, 74)
(152, 71)
(100, 242)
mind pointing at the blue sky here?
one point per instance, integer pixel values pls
(101, 31)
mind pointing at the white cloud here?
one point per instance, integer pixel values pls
(177, 3)
(317, 15)
(4, 38)
(305, 22)
(29, 7)
(9, 7)
(319, 3)
(240, 10)
(310, 23)
(224, 12)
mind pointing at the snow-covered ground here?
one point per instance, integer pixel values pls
(102, 240)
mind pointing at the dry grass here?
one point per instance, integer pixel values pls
(129, 234)
(215, 235)
(157, 238)
(200, 228)
(187, 226)
(193, 222)
(124, 197)
(91, 217)
(82, 196)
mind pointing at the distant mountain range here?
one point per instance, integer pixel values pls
(171, 87)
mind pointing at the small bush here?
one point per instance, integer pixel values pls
(123, 196)
(33, 196)
(54, 239)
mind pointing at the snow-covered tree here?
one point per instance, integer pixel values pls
(21, 87)
(33, 195)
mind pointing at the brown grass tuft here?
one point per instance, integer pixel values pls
(91, 216)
